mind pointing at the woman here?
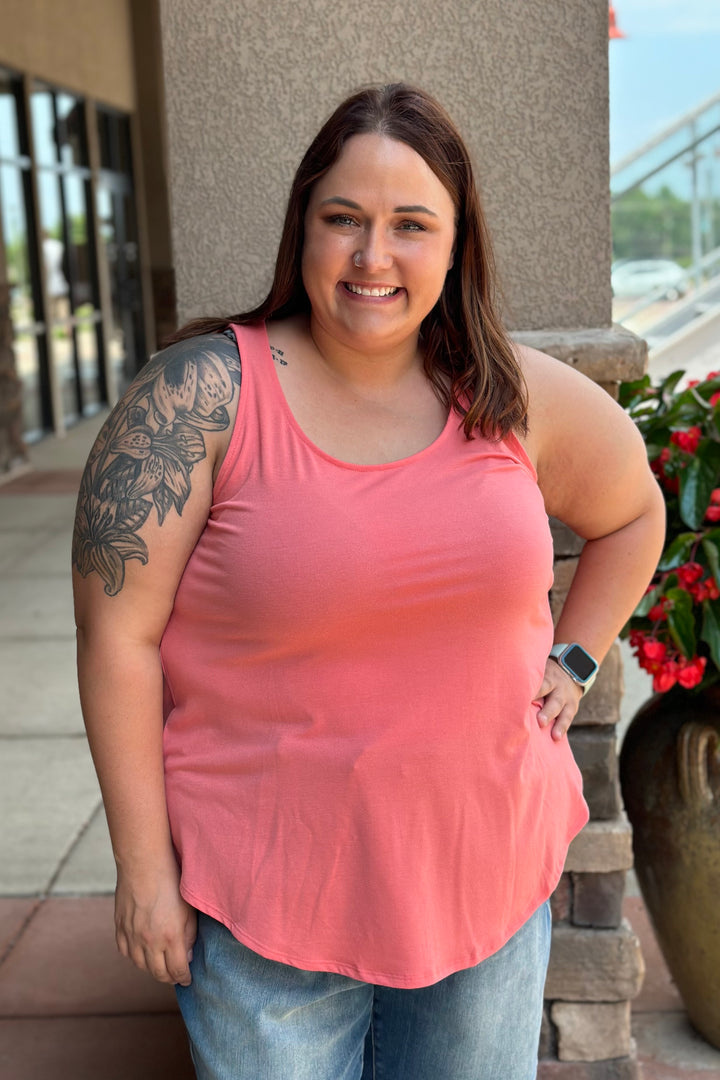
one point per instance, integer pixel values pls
(313, 541)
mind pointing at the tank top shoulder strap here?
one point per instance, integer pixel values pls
(252, 344)
(517, 451)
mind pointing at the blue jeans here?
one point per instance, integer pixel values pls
(249, 1018)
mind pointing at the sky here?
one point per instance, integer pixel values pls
(668, 63)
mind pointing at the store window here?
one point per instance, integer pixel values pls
(64, 196)
(119, 237)
(18, 235)
(65, 221)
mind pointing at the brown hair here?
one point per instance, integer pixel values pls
(463, 340)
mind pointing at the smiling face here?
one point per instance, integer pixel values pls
(379, 237)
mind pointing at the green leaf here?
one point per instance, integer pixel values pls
(634, 395)
(695, 399)
(712, 556)
(648, 601)
(667, 386)
(678, 552)
(697, 483)
(711, 631)
(681, 622)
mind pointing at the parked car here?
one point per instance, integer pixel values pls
(640, 277)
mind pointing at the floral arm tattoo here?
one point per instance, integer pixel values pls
(144, 455)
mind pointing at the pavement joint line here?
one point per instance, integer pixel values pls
(33, 577)
(13, 736)
(49, 574)
(134, 1015)
(31, 638)
(64, 859)
(45, 893)
(81, 894)
(22, 580)
(19, 468)
(18, 530)
(40, 900)
(41, 538)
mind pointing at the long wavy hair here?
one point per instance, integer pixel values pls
(468, 356)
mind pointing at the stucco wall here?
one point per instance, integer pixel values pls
(248, 84)
(80, 45)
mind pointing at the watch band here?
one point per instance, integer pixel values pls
(565, 653)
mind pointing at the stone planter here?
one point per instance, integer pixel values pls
(670, 778)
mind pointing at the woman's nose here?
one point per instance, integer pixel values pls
(374, 253)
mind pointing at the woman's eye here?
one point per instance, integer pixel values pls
(341, 219)
(412, 226)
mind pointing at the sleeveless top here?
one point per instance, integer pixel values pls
(356, 779)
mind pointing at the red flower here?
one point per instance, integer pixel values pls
(712, 513)
(670, 483)
(658, 465)
(666, 678)
(690, 672)
(714, 398)
(652, 655)
(715, 497)
(705, 590)
(687, 440)
(689, 573)
(654, 650)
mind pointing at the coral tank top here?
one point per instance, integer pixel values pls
(356, 779)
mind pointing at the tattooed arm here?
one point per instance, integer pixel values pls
(143, 503)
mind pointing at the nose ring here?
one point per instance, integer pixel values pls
(357, 259)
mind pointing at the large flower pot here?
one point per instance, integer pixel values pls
(670, 777)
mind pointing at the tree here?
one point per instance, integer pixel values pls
(652, 226)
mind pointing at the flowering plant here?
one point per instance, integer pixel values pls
(675, 629)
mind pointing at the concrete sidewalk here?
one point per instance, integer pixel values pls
(69, 1005)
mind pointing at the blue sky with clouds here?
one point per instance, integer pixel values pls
(668, 63)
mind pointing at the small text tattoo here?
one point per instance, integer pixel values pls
(278, 355)
(145, 453)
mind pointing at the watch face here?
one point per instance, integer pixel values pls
(580, 663)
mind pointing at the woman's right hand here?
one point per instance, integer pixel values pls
(144, 501)
(154, 926)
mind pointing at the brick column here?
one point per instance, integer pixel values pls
(596, 966)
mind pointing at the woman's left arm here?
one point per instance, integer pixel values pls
(594, 476)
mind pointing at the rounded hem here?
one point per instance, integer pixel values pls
(359, 973)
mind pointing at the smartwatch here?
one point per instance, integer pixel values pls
(579, 664)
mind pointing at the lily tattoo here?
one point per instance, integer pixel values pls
(146, 452)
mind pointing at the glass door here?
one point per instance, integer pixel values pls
(115, 204)
(68, 250)
(19, 239)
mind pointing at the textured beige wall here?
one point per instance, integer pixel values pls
(248, 84)
(80, 45)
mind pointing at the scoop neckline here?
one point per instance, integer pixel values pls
(357, 466)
